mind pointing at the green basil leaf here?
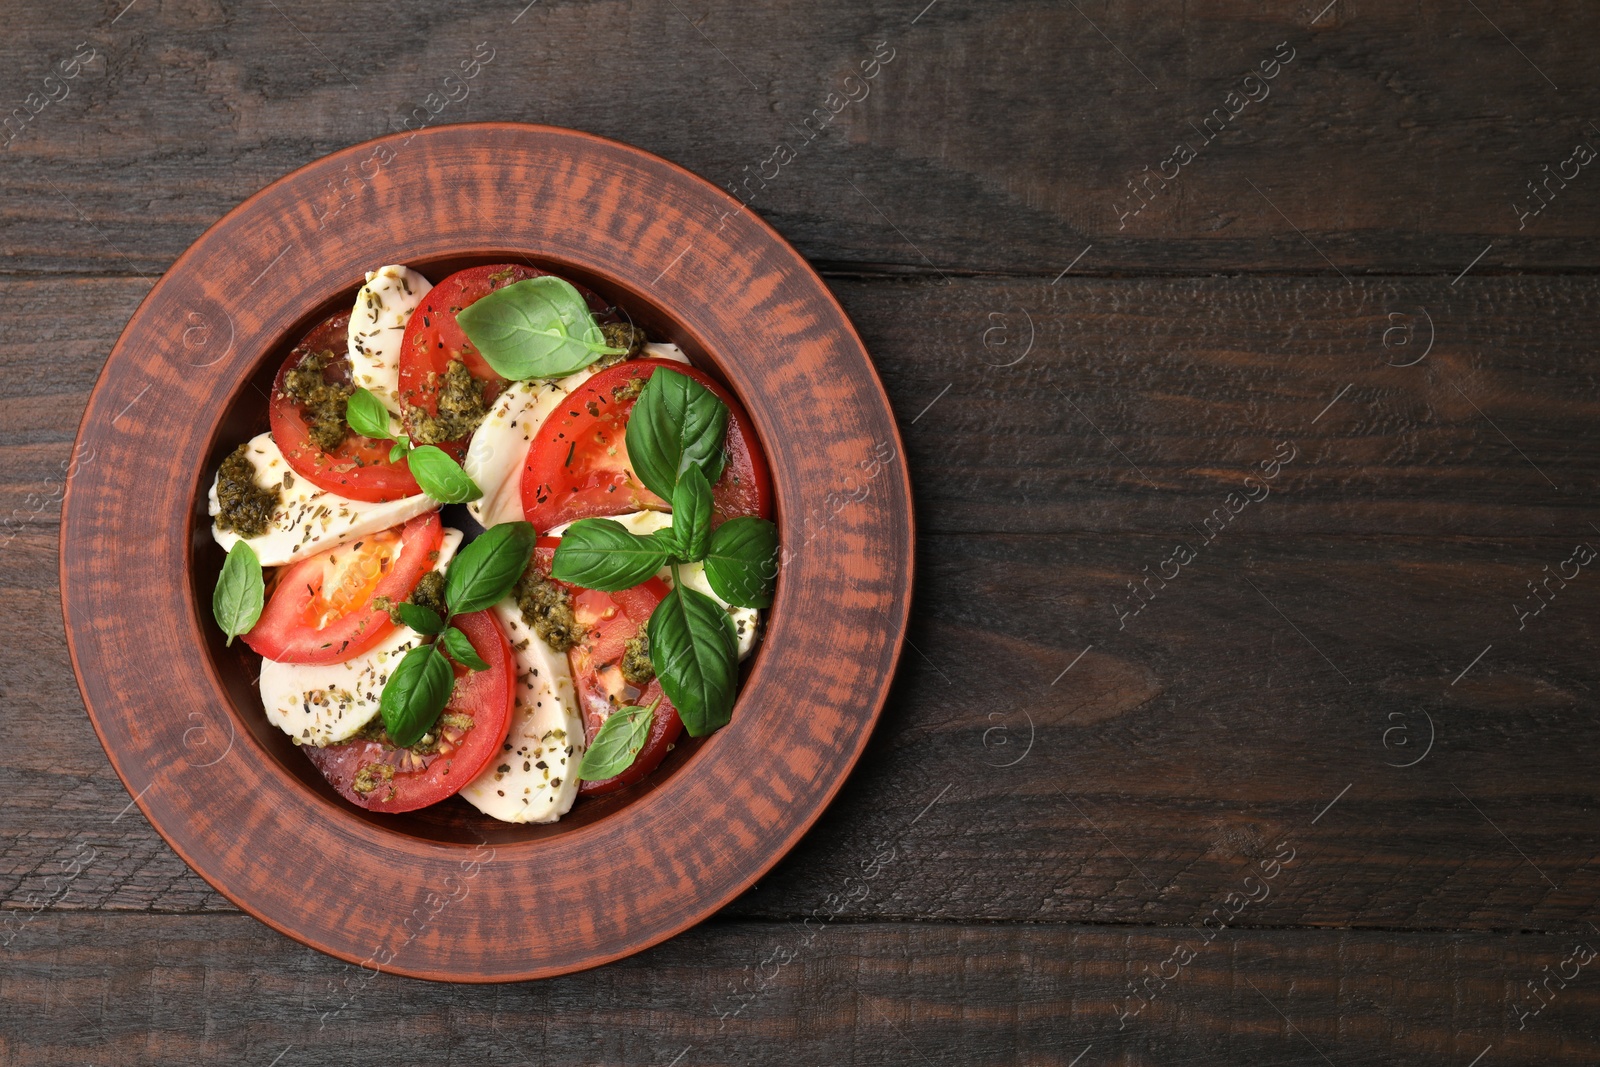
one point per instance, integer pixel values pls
(402, 446)
(618, 743)
(441, 477)
(601, 554)
(367, 416)
(667, 539)
(420, 618)
(696, 657)
(535, 328)
(676, 423)
(415, 694)
(460, 648)
(484, 572)
(742, 561)
(236, 601)
(691, 515)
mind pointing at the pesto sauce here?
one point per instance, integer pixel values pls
(460, 409)
(322, 401)
(246, 507)
(624, 335)
(547, 608)
(637, 669)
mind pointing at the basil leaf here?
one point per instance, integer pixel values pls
(460, 648)
(535, 328)
(367, 416)
(666, 539)
(441, 477)
(484, 572)
(601, 554)
(420, 618)
(402, 446)
(675, 423)
(691, 515)
(696, 657)
(742, 562)
(415, 694)
(618, 743)
(236, 601)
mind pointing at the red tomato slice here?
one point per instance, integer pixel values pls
(433, 338)
(611, 620)
(321, 608)
(359, 468)
(405, 781)
(578, 466)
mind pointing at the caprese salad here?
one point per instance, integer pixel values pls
(625, 556)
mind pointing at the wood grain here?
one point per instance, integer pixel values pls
(214, 988)
(1373, 198)
(1397, 140)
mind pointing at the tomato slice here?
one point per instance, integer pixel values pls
(470, 732)
(322, 610)
(433, 339)
(578, 467)
(610, 621)
(358, 468)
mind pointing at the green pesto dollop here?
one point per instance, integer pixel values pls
(448, 727)
(429, 593)
(246, 507)
(370, 776)
(547, 608)
(637, 669)
(624, 335)
(322, 401)
(629, 390)
(460, 409)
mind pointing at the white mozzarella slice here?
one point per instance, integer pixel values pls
(308, 520)
(662, 350)
(534, 776)
(324, 703)
(653, 350)
(746, 621)
(378, 325)
(499, 448)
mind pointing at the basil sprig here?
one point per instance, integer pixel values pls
(742, 561)
(437, 474)
(481, 574)
(459, 646)
(622, 736)
(602, 554)
(237, 599)
(535, 328)
(675, 423)
(696, 655)
(691, 514)
(415, 694)
(675, 444)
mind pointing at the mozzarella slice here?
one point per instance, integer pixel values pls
(324, 703)
(498, 451)
(378, 325)
(534, 776)
(746, 621)
(653, 350)
(307, 519)
(499, 448)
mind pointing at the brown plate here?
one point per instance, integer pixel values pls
(447, 893)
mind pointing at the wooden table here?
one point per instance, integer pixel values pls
(1249, 712)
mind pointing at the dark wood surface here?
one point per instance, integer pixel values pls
(1306, 649)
